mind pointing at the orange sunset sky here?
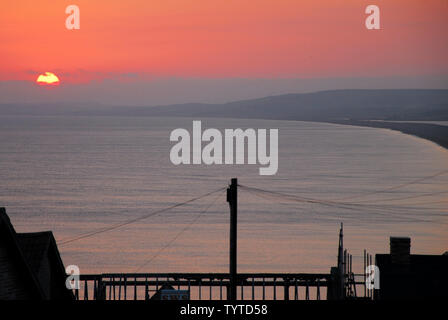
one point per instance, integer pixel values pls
(137, 40)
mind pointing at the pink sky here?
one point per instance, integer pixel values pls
(156, 52)
(232, 38)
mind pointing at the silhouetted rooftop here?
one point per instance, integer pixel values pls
(424, 277)
(30, 264)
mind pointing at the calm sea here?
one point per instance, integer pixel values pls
(74, 175)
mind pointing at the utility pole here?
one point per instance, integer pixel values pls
(341, 264)
(232, 199)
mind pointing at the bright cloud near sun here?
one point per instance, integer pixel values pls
(47, 78)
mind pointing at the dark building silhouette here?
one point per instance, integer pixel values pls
(411, 276)
(30, 265)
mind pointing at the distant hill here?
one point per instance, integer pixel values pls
(403, 105)
(349, 107)
(319, 106)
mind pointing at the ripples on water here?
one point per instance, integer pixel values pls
(73, 175)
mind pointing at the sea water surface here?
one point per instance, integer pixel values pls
(75, 175)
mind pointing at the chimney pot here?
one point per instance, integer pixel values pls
(400, 250)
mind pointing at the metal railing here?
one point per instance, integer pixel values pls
(204, 286)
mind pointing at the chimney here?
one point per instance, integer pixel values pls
(400, 250)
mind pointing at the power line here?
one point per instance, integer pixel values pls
(408, 197)
(341, 205)
(290, 198)
(332, 203)
(395, 187)
(121, 224)
(427, 202)
(168, 244)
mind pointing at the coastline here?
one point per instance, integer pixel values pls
(432, 132)
(436, 133)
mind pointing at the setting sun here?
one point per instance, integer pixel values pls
(48, 78)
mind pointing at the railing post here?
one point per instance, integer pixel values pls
(364, 273)
(286, 289)
(146, 289)
(307, 291)
(275, 289)
(86, 290)
(135, 288)
(125, 286)
(210, 293)
(296, 290)
(318, 290)
(253, 288)
(264, 289)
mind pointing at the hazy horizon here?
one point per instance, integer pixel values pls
(138, 90)
(170, 52)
